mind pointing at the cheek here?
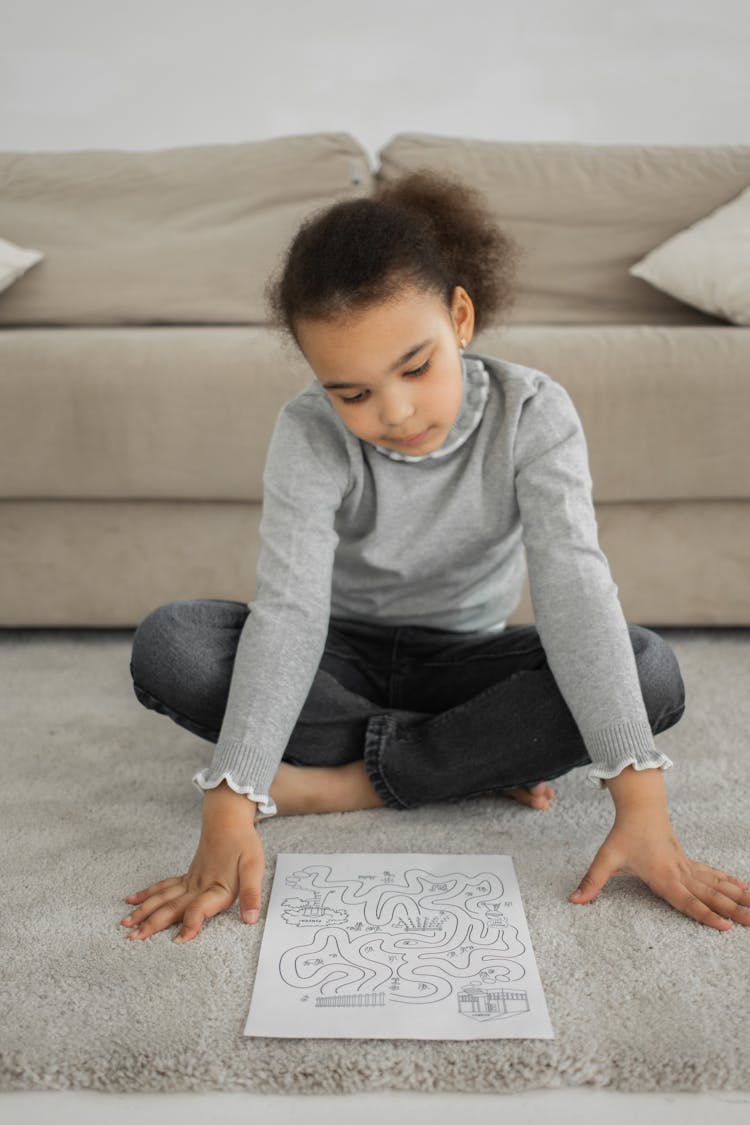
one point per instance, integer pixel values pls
(452, 393)
(358, 420)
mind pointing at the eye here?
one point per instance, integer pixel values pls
(415, 374)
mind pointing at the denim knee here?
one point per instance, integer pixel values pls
(154, 642)
(660, 677)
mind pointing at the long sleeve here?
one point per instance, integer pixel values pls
(283, 639)
(577, 611)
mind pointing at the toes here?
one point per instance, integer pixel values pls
(525, 797)
(539, 795)
(536, 796)
(540, 798)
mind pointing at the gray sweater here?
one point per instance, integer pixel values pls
(351, 529)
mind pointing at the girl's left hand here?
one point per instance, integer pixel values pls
(642, 843)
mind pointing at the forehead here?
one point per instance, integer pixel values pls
(375, 340)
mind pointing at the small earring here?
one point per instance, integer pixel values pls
(463, 343)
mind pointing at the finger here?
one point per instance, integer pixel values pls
(210, 902)
(595, 878)
(207, 903)
(154, 887)
(160, 919)
(251, 874)
(149, 906)
(687, 901)
(725, 875)
(727, 899)
(696, 907)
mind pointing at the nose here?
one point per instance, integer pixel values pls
(396, 408)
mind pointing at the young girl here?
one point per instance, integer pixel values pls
(402, 487)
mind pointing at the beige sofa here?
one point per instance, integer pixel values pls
(140, 380)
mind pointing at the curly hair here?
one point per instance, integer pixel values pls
(424, 229)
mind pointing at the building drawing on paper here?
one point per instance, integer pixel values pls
(491, 1003)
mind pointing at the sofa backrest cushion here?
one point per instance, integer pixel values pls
(169, 236)
(583, 214)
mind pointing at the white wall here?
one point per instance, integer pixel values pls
(146, 74)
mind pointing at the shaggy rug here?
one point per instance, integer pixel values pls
(97, 801)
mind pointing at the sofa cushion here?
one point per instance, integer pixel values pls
(169, 412)
(664, 409)
(170, 236)
(707, 265)
(584, 214)
(95, 564)
(187, 413)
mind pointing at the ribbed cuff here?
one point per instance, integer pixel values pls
(625, 744)
(245, 770)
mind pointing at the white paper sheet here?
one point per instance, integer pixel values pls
(396, 946)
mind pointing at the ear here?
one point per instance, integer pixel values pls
(462, 314)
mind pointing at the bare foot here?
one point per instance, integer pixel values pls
(297, 790)
(537, 797)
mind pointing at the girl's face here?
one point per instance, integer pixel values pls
(394, 371)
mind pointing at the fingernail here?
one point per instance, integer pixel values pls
(251, 915)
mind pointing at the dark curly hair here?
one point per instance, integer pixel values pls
(424, 229)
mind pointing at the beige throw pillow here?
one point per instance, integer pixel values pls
(707, 264)
(15, 261)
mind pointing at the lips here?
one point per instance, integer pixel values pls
(413, 438)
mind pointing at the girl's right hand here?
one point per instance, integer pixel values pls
(229, 858)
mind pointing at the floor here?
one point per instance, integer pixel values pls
(558, 1107)
(551, 1107)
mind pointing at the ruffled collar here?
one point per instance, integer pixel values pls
(476, 388)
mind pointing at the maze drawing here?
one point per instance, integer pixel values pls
(391, 945)
(416, 939)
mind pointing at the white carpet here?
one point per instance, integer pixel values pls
(97, 801)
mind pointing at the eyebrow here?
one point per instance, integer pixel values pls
(402, 359)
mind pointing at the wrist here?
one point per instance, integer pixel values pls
(223, 796)
(638, 789)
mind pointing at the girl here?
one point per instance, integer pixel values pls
(402, 487)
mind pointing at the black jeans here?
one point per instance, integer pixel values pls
(435, 715)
